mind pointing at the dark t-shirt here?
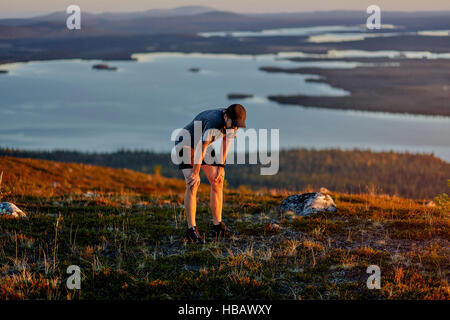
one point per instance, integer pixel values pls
(212, 126)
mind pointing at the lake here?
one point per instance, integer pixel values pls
(296, 31)
(65, 104)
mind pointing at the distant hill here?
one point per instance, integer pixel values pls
(13, 32)
(180, 20)
(193, 19)
(179, 11)
(62, 15)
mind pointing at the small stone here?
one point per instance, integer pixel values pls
(272, 227)
(10, 209)
(308, 203)
(431, 204)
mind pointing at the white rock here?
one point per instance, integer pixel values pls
(431, 204)
(308, 203)
(10, 209)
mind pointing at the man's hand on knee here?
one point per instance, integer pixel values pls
(220, 174)
(193, 181)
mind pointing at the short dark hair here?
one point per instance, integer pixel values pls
(238, 114)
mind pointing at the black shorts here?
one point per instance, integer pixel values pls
(182, 165)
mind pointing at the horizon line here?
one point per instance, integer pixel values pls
(40, 14)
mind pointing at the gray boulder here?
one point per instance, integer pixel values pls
(10, 209)
(306, 204)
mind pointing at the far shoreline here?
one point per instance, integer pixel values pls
(379, 89)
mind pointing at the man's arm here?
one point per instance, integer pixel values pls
(225, 148)
(226, 144)
(197, 164)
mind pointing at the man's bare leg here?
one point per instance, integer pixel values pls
(190, 199)
(216, 194)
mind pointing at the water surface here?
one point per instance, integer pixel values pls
(328, 34)
(66, 104)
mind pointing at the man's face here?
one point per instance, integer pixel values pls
(229, 123)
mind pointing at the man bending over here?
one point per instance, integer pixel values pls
(216, 124)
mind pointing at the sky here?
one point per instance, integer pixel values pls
(27, 8)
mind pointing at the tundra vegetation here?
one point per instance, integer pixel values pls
(124, 229)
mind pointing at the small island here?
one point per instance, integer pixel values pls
(232, 96)
(3, 71)
(103, 66)
(194, 69)
(315, 80)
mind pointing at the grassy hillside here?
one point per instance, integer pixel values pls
(124, 229)
(407, 175)
(49, 178)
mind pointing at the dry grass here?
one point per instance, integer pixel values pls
(125, 229)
